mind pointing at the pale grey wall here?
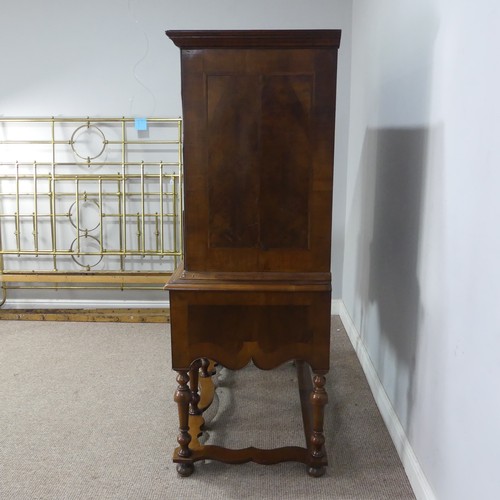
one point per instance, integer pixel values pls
(421, 271)
(112, 58)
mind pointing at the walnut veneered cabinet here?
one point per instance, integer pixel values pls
(255, 285)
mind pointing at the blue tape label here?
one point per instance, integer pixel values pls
(141, 124)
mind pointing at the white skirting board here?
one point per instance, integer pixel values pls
(85, 304)
(408, 458)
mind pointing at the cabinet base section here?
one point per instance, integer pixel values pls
(313, 398)
(265, 327)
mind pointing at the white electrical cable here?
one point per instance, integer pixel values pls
(137, 64)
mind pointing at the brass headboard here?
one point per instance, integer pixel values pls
(89, 202)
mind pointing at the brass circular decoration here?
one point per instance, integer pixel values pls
(90, 132)
(89, 241)
(82, 204)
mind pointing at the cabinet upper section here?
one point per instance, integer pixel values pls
(259, 110)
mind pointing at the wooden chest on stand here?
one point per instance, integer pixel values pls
(255, 285)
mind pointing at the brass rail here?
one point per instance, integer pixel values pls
(88, 201)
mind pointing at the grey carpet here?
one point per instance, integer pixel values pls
(86, 412)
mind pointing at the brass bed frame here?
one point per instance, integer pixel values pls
(88, 203)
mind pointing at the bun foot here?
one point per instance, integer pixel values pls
(316, 471)
(185, 470)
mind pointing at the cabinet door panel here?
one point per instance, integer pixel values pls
(260, 129)
(232, 169)
(284, 161)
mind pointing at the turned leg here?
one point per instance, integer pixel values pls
(206, 384)
(205, 365)
(193, 385)
(183, 398)
(319, 398)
